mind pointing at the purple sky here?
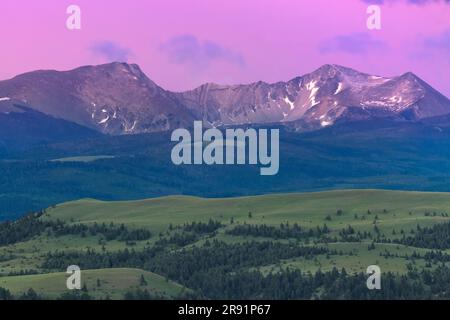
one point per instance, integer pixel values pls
(181, 44)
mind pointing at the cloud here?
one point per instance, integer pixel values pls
(432, 47)
(440, 42)
(356, 43)
(416, 2)
(111, 51)
(188, 49)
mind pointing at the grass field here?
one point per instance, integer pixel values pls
(113, 283)
(394, 211)
(309, 209)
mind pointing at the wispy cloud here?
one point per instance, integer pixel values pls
(441, 41)
(356, 43)
(111, 51)
(188, 49)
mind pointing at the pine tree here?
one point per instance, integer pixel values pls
(142, 281)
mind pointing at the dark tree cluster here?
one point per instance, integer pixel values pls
(141, 294)
(32, 225)
(179, 239)
(198, 268)
(189, 233)
(203, 228)
(23, 229)
(109, 232)
(31, 294)
(349, 234)
(436, 256)
(435, 237)
(215, 254)
(284, 231)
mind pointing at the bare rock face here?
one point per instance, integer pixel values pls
(118, 98)
(115, 98)
(318, 99)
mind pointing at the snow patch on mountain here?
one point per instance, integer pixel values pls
(104, 120)
(339, 88)
(131, 129)
(289, 102)
(311, 86)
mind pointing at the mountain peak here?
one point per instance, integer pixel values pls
(409, 75)
(114, 68)
(331, 67)
(110, 65)
(333, 70)
(336, 67)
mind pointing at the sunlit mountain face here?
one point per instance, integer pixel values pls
(118, 98)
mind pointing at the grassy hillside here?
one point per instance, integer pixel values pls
(363, 227)
(101, 283)
(309, 209)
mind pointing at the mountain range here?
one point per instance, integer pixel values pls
(118, 98)
(103, 132)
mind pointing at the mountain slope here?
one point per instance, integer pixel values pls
(318, 99)
(22, 127)
(114, 98)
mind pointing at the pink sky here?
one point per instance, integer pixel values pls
(181, 44)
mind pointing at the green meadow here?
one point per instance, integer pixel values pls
(394, 213)
(309, 209)
(103, 283)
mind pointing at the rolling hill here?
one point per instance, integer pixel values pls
(364, 227)
(104, 283)
(305, 208)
